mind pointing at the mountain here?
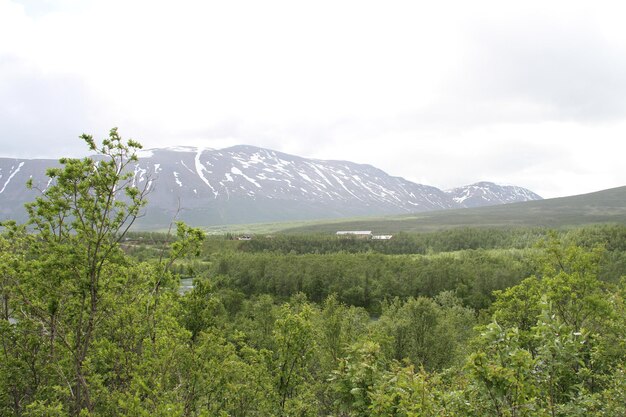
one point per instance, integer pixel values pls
(246, 184)
(490, 194)
(600, 207)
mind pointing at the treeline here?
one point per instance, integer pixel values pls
(451, 240)
(366, 280)
(401, 243)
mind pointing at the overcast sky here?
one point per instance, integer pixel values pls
(444, 93)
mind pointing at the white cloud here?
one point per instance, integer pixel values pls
(444, 93)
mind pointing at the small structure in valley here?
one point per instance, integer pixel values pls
(361, 234)
(382, 237)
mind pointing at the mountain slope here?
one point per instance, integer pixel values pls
(607, 206)
(246, 184)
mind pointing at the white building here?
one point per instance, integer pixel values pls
(364, 234)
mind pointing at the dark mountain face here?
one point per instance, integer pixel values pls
(13, 192)
(246, 184)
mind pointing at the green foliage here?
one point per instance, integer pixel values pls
(201, 309)
(294, 345)
(519, 307)
(356, 376)
(568, 354)
(92, 322)
(339, 327)
(429, 335)
(74, 269)
(502, 372)
(403, 392)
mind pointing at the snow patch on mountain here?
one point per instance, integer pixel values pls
(11, 175)
(237, 171)
(180, 184)
(200, 170)
(138, 175)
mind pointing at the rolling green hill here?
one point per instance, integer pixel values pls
(607, 206)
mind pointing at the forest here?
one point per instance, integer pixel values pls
(458, 322)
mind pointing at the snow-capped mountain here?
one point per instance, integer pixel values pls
(489, 194)
(245, 184)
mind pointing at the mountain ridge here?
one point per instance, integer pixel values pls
(247, 184)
